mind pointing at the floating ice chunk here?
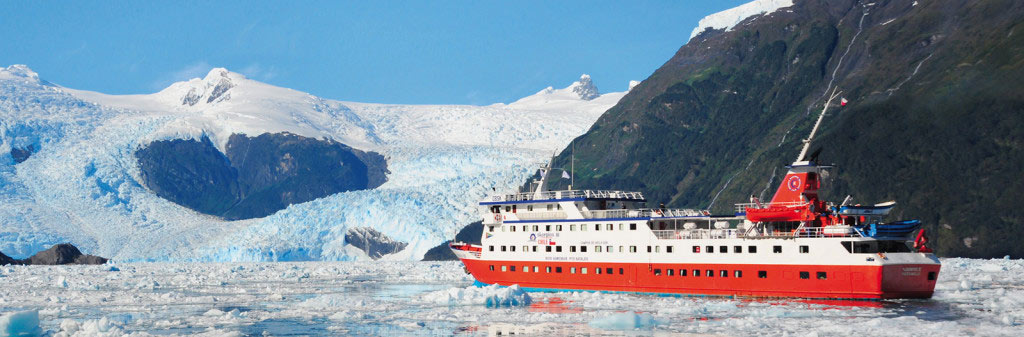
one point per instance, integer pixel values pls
(966, 285)
(626, 321)
(22, 323)
(992, 268)
(214, 312)
(69, 327)
(492, 296)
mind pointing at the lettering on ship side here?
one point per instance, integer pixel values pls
(566, 258)
(911, 271)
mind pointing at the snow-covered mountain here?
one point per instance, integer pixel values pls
(729, 18)
(75, 178)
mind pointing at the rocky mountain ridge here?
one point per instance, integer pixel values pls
(934, 120)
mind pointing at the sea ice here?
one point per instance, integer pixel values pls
(491, 296)
(625, 321)
(438, 298)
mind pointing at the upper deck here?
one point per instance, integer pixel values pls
(565, 195)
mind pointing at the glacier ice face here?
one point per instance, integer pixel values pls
(82, 185)
(731, 17)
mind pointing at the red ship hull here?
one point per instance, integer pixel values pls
(805, 281)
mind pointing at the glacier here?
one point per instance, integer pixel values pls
(82, 184)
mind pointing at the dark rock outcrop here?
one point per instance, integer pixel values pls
(59, 254)
(471, 234)
(6, 260)
(374, 243)
(257, 176)
(22, 154)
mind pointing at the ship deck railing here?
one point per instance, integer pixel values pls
(640, 213)
(735, 233)
(554, 215)
(570, 194)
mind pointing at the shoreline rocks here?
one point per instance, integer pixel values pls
(59, 254)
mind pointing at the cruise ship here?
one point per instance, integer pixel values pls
(796, 245)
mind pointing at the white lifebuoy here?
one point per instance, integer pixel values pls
(497, 217)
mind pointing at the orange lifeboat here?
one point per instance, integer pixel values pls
(779, 213)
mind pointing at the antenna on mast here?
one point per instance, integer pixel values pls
(807, 142)
(545, 169)
(572, 166)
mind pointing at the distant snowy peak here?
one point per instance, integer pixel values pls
(729, 18)
(581, 90)
(211, 89)
(585, 88)
(19, 71)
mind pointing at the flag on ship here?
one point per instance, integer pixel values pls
(565, 175)
(842, 101)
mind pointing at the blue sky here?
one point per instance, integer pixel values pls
(409, 52)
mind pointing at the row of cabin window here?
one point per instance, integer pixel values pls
(736, 273)
(650, 249)
(513, 208)
(657, 272)
(750, 249)
(708, 273)
(559, 228)
(558, 270)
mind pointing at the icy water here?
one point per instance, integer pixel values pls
(973, 297)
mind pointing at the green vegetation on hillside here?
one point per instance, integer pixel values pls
(935, 120)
